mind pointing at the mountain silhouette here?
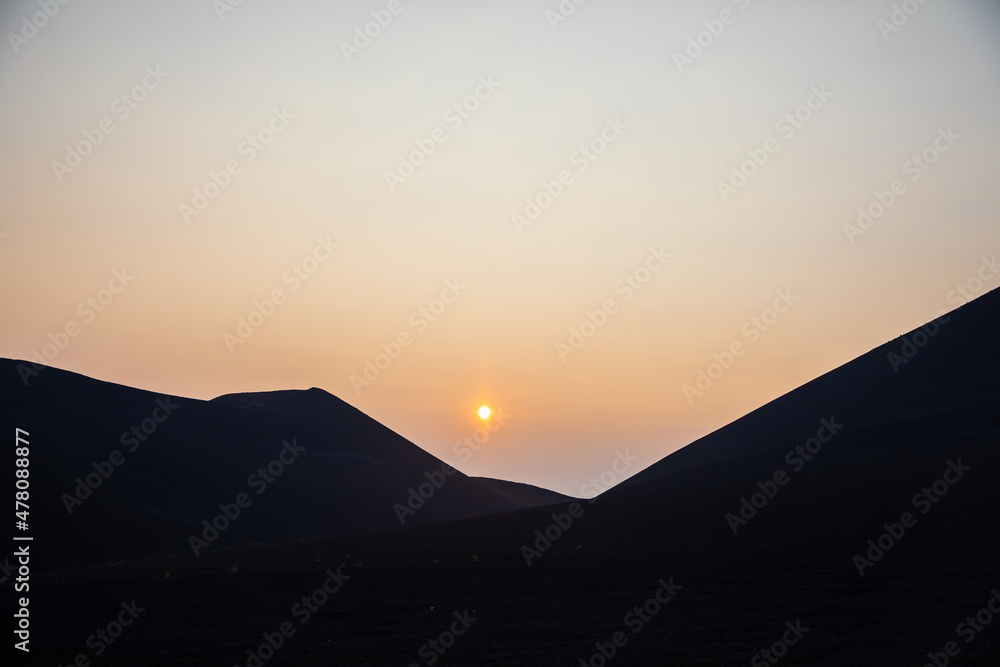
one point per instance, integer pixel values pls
(113, 492)
(851, 521)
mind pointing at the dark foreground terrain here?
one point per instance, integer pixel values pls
(853, 521)
(734, 600)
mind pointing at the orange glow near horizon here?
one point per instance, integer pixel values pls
(270, 215)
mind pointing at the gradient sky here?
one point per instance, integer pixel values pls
(656, 185)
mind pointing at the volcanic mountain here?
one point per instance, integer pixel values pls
(851, 521)
(124, 473)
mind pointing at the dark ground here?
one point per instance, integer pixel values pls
(736, 596)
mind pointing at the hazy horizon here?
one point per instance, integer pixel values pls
(640, 239)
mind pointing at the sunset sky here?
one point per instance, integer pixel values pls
(212, 157)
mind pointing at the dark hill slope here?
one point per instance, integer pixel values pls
(348, 476)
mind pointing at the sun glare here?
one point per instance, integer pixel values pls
(484, 412)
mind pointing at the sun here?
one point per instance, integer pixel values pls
(484, 412)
